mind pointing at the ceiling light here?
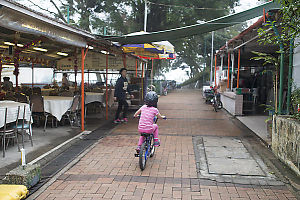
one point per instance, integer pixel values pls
(62, 54)
(8, 66)
(53, 55)
(9, 43)
(104, 52)
(12, 44)
(40, 49)
(90, 47)
(4, 47)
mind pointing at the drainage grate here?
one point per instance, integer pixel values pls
(57, 164)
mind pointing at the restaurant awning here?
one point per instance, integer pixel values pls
(195, 29)
(16, 17)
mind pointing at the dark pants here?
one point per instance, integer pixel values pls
(121, 103)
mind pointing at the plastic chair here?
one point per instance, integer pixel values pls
(25, 125)
(72, 113)
(38, 108)
(9, 132)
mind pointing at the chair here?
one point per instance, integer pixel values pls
(10, 96)
(24, 126)
(38, 109)
(66, 94)
(37, 90)
(53, 93)
(9, 132)
(72, 113)
(22, 98)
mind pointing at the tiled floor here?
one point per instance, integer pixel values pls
(110, 170)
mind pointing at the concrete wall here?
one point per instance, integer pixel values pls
(286, 141)
(232, 103)
(296, 64)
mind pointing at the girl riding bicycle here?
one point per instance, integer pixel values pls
(146, 123)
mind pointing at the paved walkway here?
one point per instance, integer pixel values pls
(110, 170)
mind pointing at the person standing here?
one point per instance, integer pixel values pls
(7, 85)
(120, 96)
(65, 82)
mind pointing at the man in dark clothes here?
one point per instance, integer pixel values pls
(120, 96)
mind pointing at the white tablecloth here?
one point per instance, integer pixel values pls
(94, 97)
(57, 105)
(12, 110)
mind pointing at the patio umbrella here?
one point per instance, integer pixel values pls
(131, 48)
(165, 46)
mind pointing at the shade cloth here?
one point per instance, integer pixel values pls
(196, 29)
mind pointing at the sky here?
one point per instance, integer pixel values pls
(179, 75)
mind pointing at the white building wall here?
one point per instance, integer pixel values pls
(296, 64)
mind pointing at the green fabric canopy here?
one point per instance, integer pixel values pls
(196, 29)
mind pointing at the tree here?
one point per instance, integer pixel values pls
(119, 17)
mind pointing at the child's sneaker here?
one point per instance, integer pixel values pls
(124, 120)
(138, 149)
(117, 121)
(156, 143)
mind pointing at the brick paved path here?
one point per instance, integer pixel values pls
(110, 171)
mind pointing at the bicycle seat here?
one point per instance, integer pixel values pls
(146, 134)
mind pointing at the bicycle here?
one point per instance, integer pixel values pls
(216, 102)
(147, 148)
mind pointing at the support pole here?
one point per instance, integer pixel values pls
(32, 74)
(88, 83)
(0, 71)
(145, 16)
(212, 58)
(281, 67)
(215, 70)
(228, 69)
(136, 67)
(288, 104)
(142, 81)
(238, 75)
(83, 54)
(222, 62)
(152, 73)
(106, 96)
(232, 71)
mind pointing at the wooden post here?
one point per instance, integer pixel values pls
(238, 75)
(106, 80)
(228, 69)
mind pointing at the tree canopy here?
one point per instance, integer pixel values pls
(119, 17)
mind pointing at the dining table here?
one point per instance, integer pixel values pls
(57, 105)
(94, 97)
(12, 110)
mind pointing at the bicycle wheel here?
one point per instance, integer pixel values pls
(152, 147)
(143, 156)
(220, 106)
(215, 105)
